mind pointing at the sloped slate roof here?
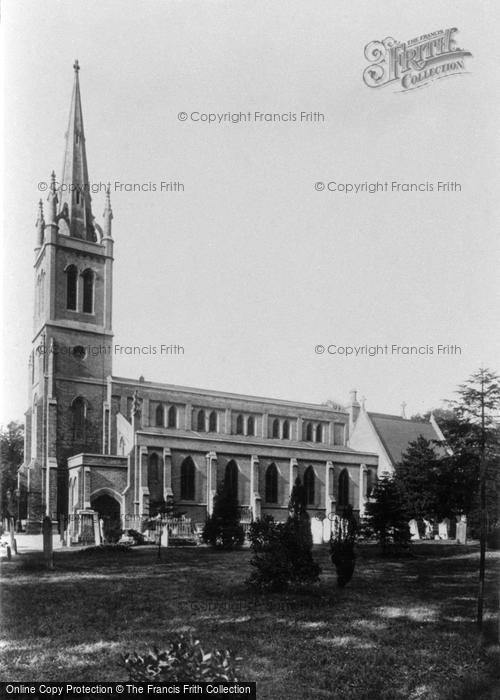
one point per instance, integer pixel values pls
(396, 433)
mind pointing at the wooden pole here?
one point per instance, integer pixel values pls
(47, 542)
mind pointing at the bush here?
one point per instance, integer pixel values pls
(138, 537)
(223, 529)
(105, 549)
(283, 552)
(342, 541)
(272, 566)
(112, 534)
(183, 660)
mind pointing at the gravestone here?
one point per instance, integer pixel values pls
(415, 535)
(317, 530)
(443, 529)
(462, 532)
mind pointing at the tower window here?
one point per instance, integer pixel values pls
(319, 433)
(251, 426)
(286, 430)
(187, 479)
(309, 432)
(272, 484)
(79, 408)
(88, 292)
(172, 417)
(276, 428)
(71, 284)
(212, 422)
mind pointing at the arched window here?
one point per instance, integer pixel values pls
(153, 470)
(71, 286)
(200, 422)
(286, 430)
(309, 486)
(272, 484)
(343, 498)
(239, 425)
(79, 407)
(88, 291)
(309, 432)
(319, 433)
(212, 422)
(172, 417)
(369, 483)
(276, 428)
(187, 479)
(251, 426)
(121, 447)
(231, 479)
(159, 416)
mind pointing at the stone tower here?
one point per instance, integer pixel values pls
(72, 333)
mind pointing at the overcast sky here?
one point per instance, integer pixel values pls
(249, 268)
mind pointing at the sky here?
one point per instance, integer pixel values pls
(249, 268)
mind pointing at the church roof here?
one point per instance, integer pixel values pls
(396, 433)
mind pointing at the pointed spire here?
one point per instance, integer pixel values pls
(40, 225)
(108, 214)
(75, 200)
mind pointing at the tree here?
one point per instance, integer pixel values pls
(479, 403)
(386, 516)
(11, 458)
(417, 477)
(223, 529)
(458, 487)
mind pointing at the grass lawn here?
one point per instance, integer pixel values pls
(401, 629)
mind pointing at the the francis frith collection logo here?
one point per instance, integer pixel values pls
(416, 62)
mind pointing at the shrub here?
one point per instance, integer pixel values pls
(223, 529)
(138, 537)
(272, 567)
(112, 534)
(283, 552)
(342, 541)
(183, 660)
(386, 516)
(105, 549)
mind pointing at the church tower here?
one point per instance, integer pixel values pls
(71, 355)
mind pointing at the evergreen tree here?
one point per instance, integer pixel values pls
(223, 529)
(479, 403)
(418, 479)
(386, 516)
(11, 458)
(342, 541)
(297, 538)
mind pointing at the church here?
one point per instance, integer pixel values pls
(117, 447)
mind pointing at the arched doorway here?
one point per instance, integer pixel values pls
(108, 510)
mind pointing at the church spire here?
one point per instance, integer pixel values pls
(74, 195)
